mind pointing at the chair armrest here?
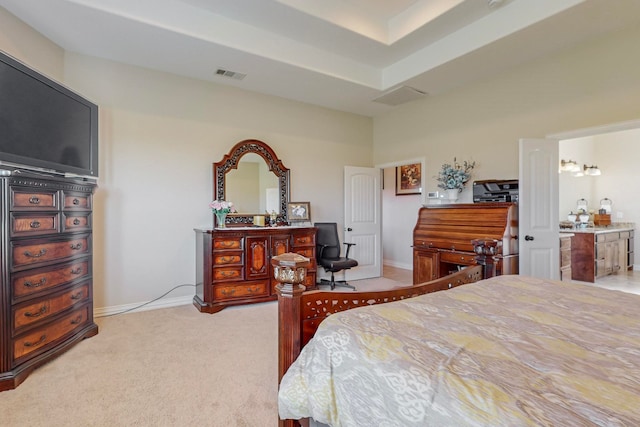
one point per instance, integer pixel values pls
(321, 249)
(348, 245)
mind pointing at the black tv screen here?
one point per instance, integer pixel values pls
(43, 125)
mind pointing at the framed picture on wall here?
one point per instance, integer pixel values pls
(409, 179)
(299, 211)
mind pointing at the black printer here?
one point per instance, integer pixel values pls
(495, 190)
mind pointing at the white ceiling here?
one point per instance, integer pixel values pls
(340, 54)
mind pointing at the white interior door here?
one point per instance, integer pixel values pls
(362, 222)
(539, 241)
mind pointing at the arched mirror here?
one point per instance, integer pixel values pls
(254, 179)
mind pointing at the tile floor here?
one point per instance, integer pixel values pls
(626, 281)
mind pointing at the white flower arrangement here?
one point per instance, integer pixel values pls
(222, 207)
(455, 176)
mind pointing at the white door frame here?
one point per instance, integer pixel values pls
(422, 161)
(423, 195)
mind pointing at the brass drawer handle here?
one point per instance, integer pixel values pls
(34, 224)
(227, 273)
(76, 296)
(38, 313)
(252, 290)
(227, 244)
(34, 344)
(76, 246)
(37, 255)
(76, 270)
(30, 284)
(226, 259)
(76, 221)
(34, 200)
(77, 320)
(76, 202)
(228, 292)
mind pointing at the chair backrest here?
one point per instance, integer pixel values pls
(328, 235)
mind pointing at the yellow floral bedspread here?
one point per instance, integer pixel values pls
(508, 351)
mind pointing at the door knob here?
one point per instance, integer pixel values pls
(349, 229)
(528, 237)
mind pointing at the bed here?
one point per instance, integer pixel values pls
(508, 350)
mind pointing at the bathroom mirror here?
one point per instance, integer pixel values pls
(254, 179)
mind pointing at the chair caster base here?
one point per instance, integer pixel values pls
(334, 283)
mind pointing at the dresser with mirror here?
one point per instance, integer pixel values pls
(233, 260)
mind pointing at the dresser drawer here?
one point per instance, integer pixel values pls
(38, 339)
(304, 240)
(29, 282)
(306, 252)
(241, 290)
(226, 258)
(223, 243)
(227, 273)
(31, 313)
(24, 253)
(458, 257)
(33, 224)
(76, 222)
(26, 199)
(76, 201)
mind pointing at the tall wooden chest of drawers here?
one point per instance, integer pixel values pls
(46, 299)
(233, 265)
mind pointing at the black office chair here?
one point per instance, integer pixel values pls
(328, 254)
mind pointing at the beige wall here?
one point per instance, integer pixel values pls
(159, 135)
(589, 85)
(20, 41)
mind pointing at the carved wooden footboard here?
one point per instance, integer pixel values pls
(300, 313)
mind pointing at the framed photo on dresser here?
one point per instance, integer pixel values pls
(299, 211)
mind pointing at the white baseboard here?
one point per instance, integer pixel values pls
(397, 264)
(137, 307)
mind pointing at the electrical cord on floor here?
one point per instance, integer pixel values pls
(148, 302)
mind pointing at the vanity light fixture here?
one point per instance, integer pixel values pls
(592, 170)
(569, 166)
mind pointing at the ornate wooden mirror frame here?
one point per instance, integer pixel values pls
(230, 161)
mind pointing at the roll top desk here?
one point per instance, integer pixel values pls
(443, 234)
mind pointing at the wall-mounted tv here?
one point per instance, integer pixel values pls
(45, 126)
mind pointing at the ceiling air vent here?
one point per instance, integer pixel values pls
(231, 74)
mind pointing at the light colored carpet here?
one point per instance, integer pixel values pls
(167, 367)
(371, 285)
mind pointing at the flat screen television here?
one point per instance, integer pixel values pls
(45, 126)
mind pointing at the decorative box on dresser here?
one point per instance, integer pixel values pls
(233, 265)
(47, 290)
